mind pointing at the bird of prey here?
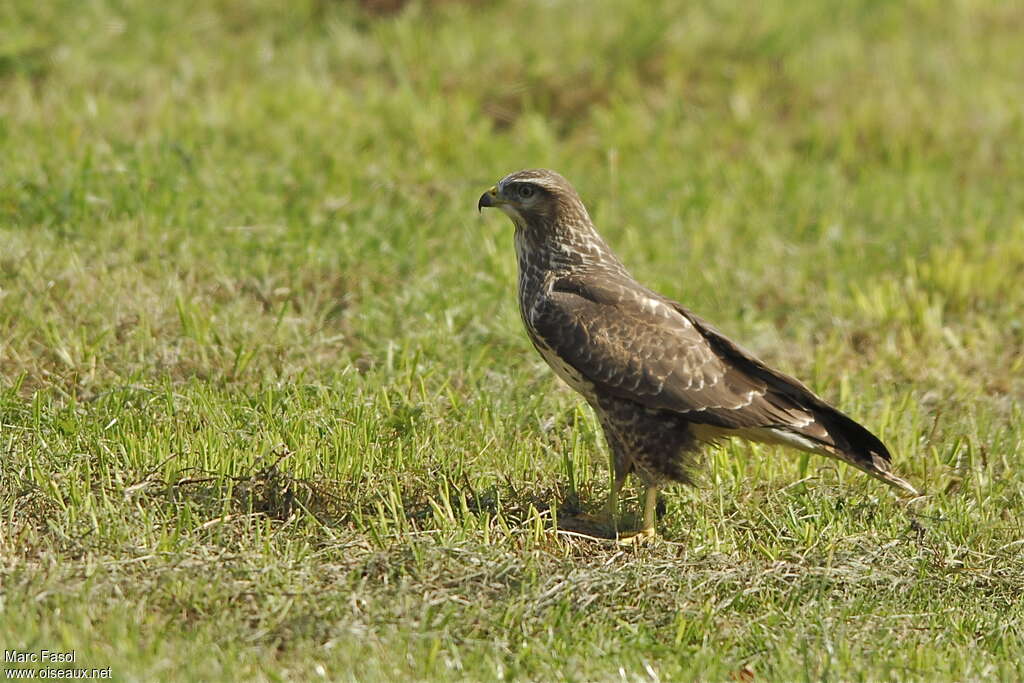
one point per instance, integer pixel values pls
(661, 380)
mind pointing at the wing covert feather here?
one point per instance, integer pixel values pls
(647, 349)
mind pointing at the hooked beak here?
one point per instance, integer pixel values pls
(489, 198)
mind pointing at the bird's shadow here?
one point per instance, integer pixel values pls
(584, 525)
(518, 506)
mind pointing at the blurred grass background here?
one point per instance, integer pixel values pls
(266, 409)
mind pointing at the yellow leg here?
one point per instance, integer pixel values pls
(611, 508)
(647, 530)
(650, 505)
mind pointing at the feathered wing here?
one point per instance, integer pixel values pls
(639, 346)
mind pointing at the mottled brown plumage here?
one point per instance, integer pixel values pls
(660, 379)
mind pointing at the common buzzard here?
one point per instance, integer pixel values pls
(661, 380)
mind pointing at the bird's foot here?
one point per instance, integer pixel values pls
(638, 538)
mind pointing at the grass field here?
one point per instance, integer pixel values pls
(267, 410)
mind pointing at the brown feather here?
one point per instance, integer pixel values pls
(660, 378)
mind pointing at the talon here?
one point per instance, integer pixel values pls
(638, 538)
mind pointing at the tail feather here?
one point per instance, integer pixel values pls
(855, 445)
(829, 432)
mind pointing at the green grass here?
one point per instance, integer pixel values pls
(267, 410)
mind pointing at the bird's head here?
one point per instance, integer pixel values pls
(536, 200)
(551, 222)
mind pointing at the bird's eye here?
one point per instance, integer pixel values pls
(525, 191)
